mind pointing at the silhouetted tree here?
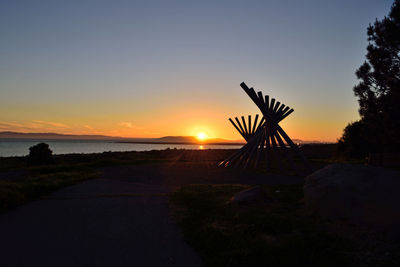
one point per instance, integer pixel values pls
(40, 154)
(353, 142)
(378, 91)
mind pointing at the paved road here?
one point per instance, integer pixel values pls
(120, 219)
(100, 222)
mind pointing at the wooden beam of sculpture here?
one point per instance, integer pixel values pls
(253, 96)
(280, 113)
(244, 125)
(262, 122)
(241, 133)
(246, 151)
(255, 124)
(245, 154)
(277, 152)
(260, 150)
(241, 128)
(249, 124)
(287, 114)
(260, 97)
(286, 152)
(238, 155)
(267, 102)
(233, 157)
(267, 149)
(252, 150)
(271, 107)
(276, 107)
(293, 146)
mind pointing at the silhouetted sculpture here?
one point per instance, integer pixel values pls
(267, 140)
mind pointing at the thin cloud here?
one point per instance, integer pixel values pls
(50, 123)
(129, 125)
(10, 124)
(32, 126)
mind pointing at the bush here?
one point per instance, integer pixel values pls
(354, 142)
(40, 154)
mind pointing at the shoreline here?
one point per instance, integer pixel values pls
(179, 143)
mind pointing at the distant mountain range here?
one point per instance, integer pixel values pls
(54, 136)
(161, 140)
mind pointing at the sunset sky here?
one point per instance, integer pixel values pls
(157, 68)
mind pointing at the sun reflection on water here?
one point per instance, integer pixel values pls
(201, 147)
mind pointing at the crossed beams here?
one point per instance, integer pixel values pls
(268, 140)
(247, 132)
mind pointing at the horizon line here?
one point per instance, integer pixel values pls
(172, 136)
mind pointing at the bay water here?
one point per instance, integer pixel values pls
(20, 147)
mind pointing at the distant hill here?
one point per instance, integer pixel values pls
(54, 136)
(161, 140)
(165, 139)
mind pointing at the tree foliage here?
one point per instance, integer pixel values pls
(40, 154)
(378, 90)
(353, 142)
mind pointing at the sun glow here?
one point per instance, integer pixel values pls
(201, 136)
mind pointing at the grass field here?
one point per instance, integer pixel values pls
(279, 233)
(22, 182)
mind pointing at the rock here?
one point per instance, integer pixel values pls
(357, 193)
(254, 195)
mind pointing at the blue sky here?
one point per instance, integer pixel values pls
(174, 67)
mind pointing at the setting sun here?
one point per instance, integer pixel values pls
(201, 136)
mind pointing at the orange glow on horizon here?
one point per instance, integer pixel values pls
(303, 129)
(202, 122)
(201, 136)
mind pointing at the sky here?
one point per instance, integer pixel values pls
(158, 68)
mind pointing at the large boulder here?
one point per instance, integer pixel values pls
(357, 193)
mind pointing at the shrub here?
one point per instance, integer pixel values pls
(40, 154)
